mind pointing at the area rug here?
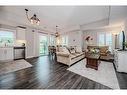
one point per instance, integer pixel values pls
(104, 75)
(13, 66)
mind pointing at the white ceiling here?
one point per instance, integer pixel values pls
(63, 16)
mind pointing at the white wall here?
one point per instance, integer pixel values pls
(29, 43)
(36, 43)
(94, 34)
(75, 38)
(125, 28)
(32, 42)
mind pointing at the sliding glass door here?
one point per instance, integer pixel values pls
(43, 44)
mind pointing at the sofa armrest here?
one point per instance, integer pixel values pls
(62, 54)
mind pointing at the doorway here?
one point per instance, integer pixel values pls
(43, 44)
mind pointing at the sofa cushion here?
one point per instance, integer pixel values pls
(72, 50)
(63, 54)
(65, 50)
(104, 50)
(73, 56)
(78, 50)
(60, 49)
(109, 58)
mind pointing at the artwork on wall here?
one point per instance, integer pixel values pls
(88, 40)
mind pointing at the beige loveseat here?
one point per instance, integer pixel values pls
(105, 54)
(66, 57)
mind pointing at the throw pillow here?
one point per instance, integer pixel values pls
(65, 50)
(78, 49)
(72, 50)
(60, 49)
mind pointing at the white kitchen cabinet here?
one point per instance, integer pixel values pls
(2, 54)
(20, 34)
(6, 54)
(120, 60)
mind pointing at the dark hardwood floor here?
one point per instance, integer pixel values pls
(46, 73)
(122, 78)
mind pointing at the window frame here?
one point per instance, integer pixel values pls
(65, 37)
(52, 39)
(10, 30)
(105, 38)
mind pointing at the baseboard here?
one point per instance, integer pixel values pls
(31, 57)
(6, 60)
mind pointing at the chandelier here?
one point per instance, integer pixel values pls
(33, 19)
(57, 34)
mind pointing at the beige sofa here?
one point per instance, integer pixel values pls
(68, 58)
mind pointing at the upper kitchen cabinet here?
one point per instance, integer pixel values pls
(20, 33)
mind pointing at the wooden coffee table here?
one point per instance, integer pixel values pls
(92, 61)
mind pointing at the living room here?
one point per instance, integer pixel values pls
(39, 50)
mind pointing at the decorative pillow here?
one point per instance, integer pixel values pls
(78, 49)
(72, 50)
(60, 49)
(65, 50)
(104, 49)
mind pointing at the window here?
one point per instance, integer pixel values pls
(6, 38)
(64, 40)
(101, 39)
(105, 39)
(52, 40)
(109, 40)
(120, 39)
(43, 44)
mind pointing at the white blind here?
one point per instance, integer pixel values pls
(105, 38)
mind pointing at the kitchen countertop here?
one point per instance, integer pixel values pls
(7, 47)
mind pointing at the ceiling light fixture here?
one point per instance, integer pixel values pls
(57, 34)
(33, 19)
